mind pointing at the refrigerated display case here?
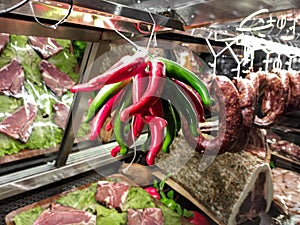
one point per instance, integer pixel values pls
(210, 38)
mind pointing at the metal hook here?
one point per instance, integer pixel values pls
(54, 26)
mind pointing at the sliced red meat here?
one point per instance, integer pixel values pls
(12, 79)
(56, 80)
(112, 194)
(134, 217)
(286, 189)
(45, 46)
(63, 215)
(255, 202)
(61, 112)
(153, 216)
(148, 216)
(19, 124)
(4, 39)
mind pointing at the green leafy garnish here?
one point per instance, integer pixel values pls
(28, 218)
(138, 198)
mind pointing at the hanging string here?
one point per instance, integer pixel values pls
(123, 36)
(152, 31)
(54, 26)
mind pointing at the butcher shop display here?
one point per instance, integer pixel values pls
(130, 113)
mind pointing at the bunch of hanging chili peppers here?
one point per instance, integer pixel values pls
(142, 90)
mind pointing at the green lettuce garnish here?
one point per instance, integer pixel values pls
(28, 217)
(138, 198)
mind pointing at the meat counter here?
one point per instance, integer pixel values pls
(247, 190)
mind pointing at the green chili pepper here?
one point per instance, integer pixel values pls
(181, 103)
(170, 203)
(171, 131)
(176, 71)
(178, 120)
(105, 93)
(119, 126)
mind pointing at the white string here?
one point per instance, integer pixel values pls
(125, 170)
(126, 38)
(152, 31)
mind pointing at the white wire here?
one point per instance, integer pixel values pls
(152, 31)
(133, 141)
(134, 150)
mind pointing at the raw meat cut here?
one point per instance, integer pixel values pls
(20, 123)
(46, 46)
(64, 215)
(56, 80)
(12, 79)
(287, 189)
(148, 216)
(112, 194)
(4, 39)
(61, 112)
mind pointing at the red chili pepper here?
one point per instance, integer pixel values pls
(139, 87)
(101, 116)
(153, 192)
(140, 83)
(138, 121)
(195, 99)
(115, 151)
(109, 125)
(157, 125)
(157, 109)
(126, 68)
(138, 125)
(198, 219)
(154, 89)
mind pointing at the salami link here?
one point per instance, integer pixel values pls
(247, 103)
(274, 89)
(294, 101)
(230, 118)
(285, 80)
(247, 100)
